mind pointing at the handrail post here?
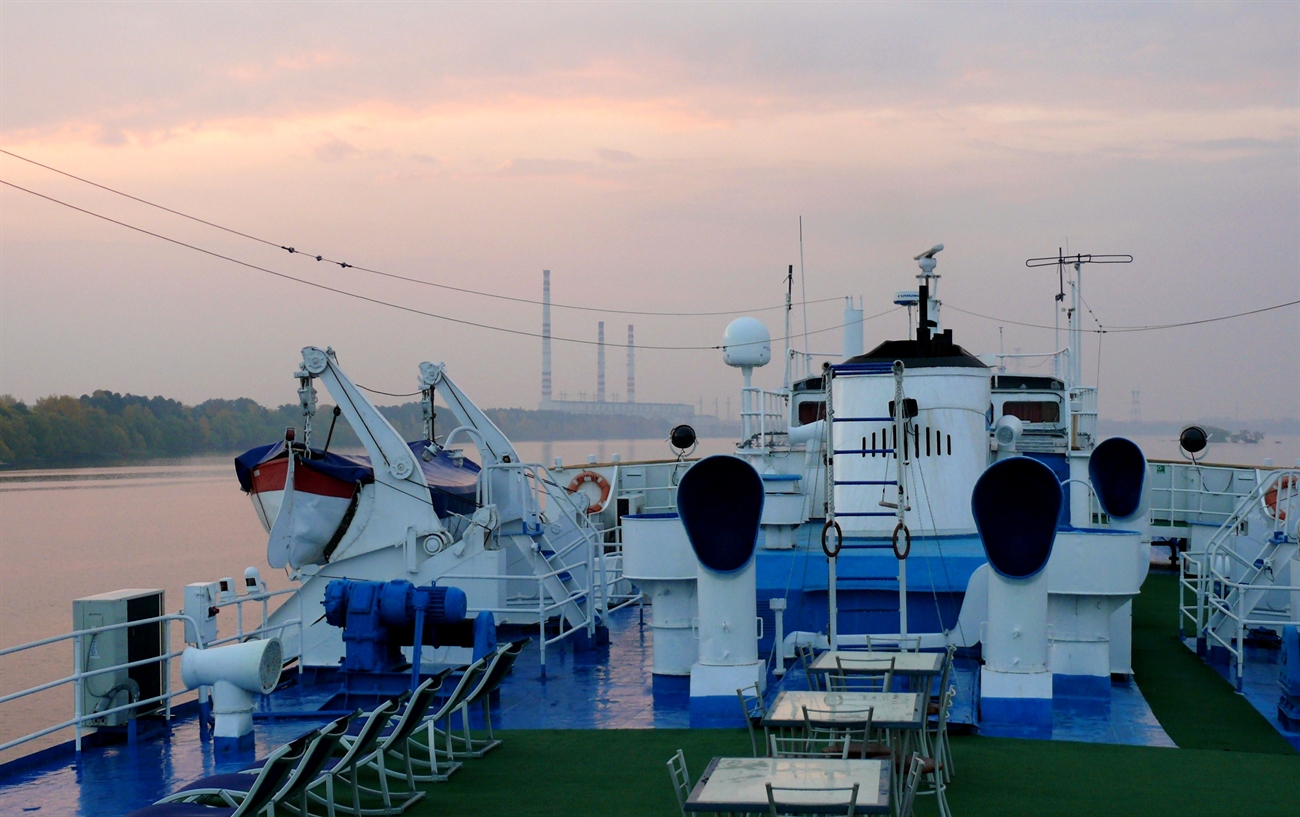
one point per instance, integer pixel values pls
(541, 624)
(167, 667)
(591, 588)
(77, 687)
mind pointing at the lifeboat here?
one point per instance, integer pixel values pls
(327, 486)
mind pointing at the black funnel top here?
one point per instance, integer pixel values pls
(720, 501)
(1118, 472)
(1015, 504)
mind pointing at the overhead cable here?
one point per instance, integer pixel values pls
(1102, 330)
(389, 304)
(293, 250)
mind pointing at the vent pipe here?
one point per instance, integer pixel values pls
(546, 337)
(600, 362)
(631, 367)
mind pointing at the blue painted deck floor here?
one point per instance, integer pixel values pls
(609, 687)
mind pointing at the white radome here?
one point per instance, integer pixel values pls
(746, 343)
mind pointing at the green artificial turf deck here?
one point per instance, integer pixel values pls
(1230, 761)
(622, 772)
(1196, 706)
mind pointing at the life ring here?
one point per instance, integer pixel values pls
(596, 479)
(839, 538)
(1286, 484)
(907, 538)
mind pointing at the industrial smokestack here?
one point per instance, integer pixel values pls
(546, 337)
(600, 362)
(631, 367)
(852, 329)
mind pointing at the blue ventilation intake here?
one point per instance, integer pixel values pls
(1015, 503)
(720, 501)
(1118, 472)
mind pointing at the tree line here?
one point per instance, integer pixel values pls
(106, 428)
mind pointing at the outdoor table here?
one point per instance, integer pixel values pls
(892, 710)
(739, 784)
(905, 663)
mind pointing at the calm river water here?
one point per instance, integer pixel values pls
(70, 533)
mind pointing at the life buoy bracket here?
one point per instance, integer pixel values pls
(595, 479)
(1286, 484)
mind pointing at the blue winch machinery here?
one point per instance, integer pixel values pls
(379, 619)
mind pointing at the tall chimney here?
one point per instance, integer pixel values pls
(600, 362)
(546, 337)
(631, 367)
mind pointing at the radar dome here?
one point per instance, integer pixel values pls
(746, 343)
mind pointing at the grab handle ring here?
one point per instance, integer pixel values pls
(839, 538)
(907, 539)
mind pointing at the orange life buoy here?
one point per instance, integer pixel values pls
(1271, 496)
(597, 480)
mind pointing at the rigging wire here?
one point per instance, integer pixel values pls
(1139, 328)
(389, 393)
(378, 301)
(292, 250)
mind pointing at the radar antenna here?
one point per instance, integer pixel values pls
(1073, 374)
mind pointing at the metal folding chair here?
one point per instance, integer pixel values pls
(781, 799)
(861, 675)
(681, 779)
(751, 701)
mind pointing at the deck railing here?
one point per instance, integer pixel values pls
(1228, 590)
(81, 720)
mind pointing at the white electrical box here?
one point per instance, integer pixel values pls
(112, 648)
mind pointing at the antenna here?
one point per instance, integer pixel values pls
(1073, 374)
(803, 284)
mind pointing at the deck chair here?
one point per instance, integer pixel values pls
(907, 797)
(360, 747)
(804, 653)
(932, 707)
(394, 746)
(857, 733)
(498, 667)
(861, 675)
(259, 794)
(784, 801)
(431, 768)
(681, 778)
(751, 703)
(804, 746)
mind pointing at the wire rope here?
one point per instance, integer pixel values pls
(293, 250)
(379, 301)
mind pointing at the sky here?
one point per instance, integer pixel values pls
(656, 158)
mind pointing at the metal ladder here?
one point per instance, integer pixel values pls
(558, 542)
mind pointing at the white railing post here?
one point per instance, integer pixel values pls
(77, 687)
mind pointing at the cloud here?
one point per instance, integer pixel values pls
(336, 150)
(547, 167)
(621, 157)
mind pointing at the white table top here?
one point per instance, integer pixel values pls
(891, 710)
(738, 784)
(905, 663)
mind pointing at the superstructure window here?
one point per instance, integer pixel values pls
(1033, 411)
(812, 411)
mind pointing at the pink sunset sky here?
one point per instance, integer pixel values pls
(655, 157)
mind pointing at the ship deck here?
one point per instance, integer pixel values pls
(601, 710)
